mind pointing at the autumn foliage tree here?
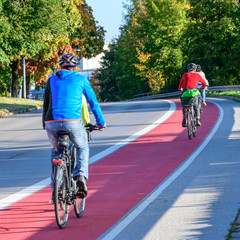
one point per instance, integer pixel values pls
(31, 26)
(40, 31)
(87, 41)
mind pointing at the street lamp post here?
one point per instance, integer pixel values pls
(24, 80)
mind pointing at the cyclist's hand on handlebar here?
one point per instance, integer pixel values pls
(101, 127)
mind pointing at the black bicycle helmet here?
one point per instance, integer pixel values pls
(192, 67)
(199, 67)
(68, 61)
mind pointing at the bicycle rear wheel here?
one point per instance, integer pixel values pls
(189, 125)
(60, 196)
(194, 127)
(79, 203)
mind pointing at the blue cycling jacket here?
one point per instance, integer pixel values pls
(63, 98)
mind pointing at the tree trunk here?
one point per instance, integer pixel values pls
(14, 84)
(27, 85)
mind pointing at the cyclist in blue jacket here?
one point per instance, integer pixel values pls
(62, 111)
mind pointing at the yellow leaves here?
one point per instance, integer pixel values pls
(142, 8)
(187, 6)
(143, 60)
(155, 77)
(75, 19)
(143, 57)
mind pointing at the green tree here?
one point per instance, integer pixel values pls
(212, 39)
(89, 37)
(5, 75)
(159, 25)
(30, 26)
(107, 75)
(87, 41)
(148, 54)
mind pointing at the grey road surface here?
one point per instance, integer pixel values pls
(25, 149)
(202, 202)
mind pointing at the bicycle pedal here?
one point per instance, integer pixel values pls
(81, 193)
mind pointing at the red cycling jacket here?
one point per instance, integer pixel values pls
(190, 80)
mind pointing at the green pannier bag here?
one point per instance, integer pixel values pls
(187, 98)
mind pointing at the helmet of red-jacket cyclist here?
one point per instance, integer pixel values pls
(68, 61)
(191, 67)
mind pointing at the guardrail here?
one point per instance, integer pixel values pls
(178, 93)
(224, 88)
(148, 94)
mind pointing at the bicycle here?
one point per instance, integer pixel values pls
(190, 116)
(66, 191)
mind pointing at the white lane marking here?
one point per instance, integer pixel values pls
(5, 202)
(128, 218)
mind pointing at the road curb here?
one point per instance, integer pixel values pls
(5, 115)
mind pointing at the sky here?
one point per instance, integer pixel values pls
(109, 14)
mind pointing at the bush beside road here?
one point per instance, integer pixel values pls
(10, 106)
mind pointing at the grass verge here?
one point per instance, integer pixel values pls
(9, 106)
(224, 94)
(234, 229)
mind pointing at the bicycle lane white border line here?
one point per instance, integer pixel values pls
(5, 202)
(128, 218)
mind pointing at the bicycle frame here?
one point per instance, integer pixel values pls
(65, 188)
(191, 122)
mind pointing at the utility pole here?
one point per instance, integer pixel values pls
(24, 80)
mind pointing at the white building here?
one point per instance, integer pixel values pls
(89, 66)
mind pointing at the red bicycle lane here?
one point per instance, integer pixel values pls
(116, 184)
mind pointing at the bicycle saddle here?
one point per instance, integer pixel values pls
(63, 138)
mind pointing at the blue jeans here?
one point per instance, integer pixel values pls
(78, 136)
(203, 92)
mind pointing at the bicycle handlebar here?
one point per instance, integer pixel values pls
(90, 127)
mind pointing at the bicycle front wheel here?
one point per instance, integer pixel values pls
(194, 124)
(60, 196)
(79, 203)
(194, 127)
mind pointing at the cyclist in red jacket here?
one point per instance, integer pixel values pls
(189, 81)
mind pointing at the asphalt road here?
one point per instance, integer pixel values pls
(25, 154)
(197, 202)
(203, 200)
